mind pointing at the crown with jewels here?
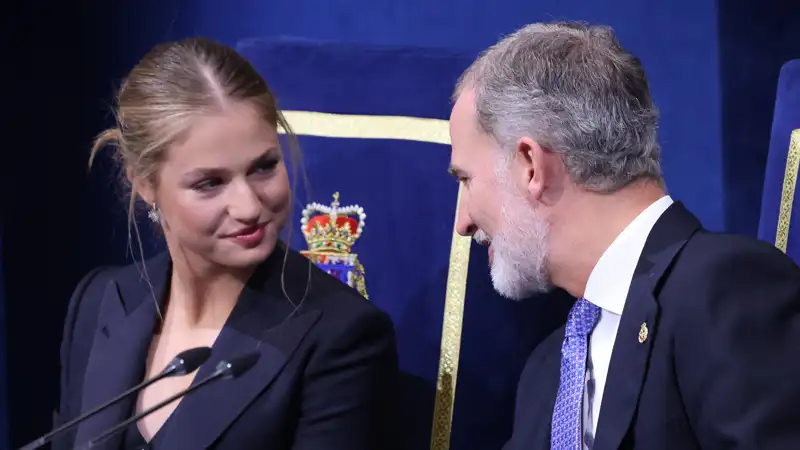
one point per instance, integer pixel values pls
(330, 232)
(332, 228)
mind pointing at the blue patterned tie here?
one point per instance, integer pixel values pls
(566, 430)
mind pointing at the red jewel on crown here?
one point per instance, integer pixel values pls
(332, 228)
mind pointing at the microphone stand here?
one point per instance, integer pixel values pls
(186, 362)
(46, 438)
(225, 369)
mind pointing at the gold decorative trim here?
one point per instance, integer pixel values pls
(355, 126)
(435, 131)
(451, 339)
(787, 194)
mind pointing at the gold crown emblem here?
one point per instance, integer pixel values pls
(330, 232)
(332, 228)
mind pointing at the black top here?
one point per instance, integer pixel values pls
(324, 378)
(133, 439)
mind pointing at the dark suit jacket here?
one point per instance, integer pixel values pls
(322, 381)
(720, 367)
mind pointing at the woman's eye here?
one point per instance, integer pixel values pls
(266, 166)
(207, 185)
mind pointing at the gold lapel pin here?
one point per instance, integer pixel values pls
(643, 333)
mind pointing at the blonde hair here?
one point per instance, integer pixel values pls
(174, 83)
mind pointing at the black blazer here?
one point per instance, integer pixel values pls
(323, 380)
(720, 366)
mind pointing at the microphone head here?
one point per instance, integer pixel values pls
(188, 361)
(239, 365)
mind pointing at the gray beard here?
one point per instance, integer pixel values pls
(519, 266)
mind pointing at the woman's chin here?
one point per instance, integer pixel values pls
(238, 257)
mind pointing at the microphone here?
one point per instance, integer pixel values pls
(185, 363)
(225, 370)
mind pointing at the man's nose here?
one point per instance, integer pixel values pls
(464, 224)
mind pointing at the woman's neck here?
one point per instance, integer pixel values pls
(202, 298)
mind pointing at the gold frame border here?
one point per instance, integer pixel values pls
(787, 194)
(435, 131)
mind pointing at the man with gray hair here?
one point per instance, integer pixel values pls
(679, 338)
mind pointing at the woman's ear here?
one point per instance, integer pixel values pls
(142, 188)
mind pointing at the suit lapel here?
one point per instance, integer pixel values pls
(263, 320)
(638, 326)
(547, 392)
(628, 364)
(126, 322)
(536, 396)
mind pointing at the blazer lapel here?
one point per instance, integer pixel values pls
(536, 397)
(263, 320)
(638, 326)
(628, 364)
(547, 392)
(127, 320)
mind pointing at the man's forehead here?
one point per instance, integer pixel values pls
(464, 107)
(463, 126)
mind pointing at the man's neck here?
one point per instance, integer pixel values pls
(591, 225)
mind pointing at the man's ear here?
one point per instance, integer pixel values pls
(533, 160)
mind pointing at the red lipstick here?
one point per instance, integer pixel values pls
(249, 237)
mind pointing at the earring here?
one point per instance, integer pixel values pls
(153, 214)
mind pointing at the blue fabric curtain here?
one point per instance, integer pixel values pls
(372, 121)
(780, 206)
(714, 83)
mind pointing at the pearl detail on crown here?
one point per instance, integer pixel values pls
(331, 228)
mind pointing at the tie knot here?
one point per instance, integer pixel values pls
(582, 318)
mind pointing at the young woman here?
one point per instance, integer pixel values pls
(197, 139)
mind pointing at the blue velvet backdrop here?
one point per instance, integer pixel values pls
(713, 68)
(774, 204)
(410, 203)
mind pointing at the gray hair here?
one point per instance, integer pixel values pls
(576, 91)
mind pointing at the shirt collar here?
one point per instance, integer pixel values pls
(611, 277)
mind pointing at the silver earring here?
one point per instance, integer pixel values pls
(153, 213)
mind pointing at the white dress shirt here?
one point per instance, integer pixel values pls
(607, 288)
